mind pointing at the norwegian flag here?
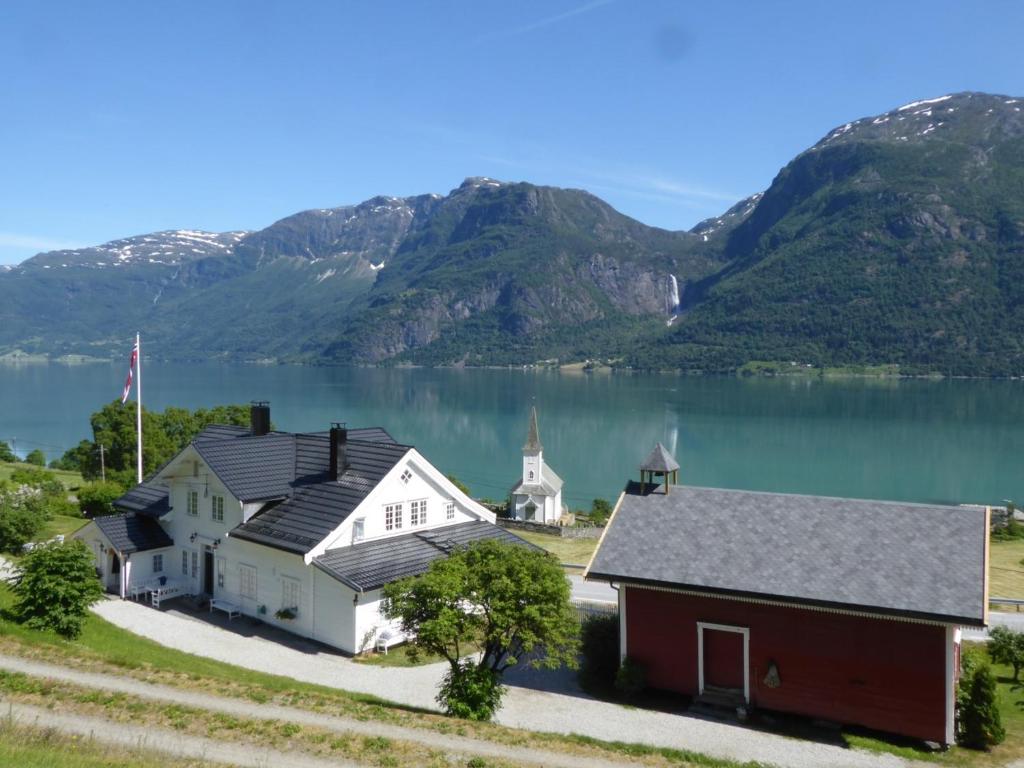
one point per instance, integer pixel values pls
(131, 371)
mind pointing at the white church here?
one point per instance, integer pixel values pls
(537, 496)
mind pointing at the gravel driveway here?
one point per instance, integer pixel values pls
(561, 708)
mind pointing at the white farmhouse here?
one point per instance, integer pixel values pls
(299, 530)
(538, 493)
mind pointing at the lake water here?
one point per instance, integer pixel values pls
(947, 441)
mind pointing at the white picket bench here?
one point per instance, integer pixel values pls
(166, 592)
(230, 609)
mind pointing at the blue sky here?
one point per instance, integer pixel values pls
(122, 118)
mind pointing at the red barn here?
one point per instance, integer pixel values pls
(841, 609)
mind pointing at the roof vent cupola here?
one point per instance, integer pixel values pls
(659, 462)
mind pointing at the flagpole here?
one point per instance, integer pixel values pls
(138, 406)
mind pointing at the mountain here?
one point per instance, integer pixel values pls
(897, 239)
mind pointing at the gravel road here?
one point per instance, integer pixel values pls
(560, 708)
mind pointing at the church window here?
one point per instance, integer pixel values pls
(531, 474)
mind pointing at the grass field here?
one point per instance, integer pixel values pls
(574, 551)
(70, 479)
(1006, 574)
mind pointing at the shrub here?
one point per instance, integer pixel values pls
(600, 511)
(1007, 647)
(631, 679)
(473, 692)
(599, 648)
(979, 725)
(97, 499)
(56, 586)
(19, 523)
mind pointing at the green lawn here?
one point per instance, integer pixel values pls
(1006, 574)
(60, 524)
(70, 479)
(573, 551)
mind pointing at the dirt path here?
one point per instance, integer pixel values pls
(169, 742)
(242, 708)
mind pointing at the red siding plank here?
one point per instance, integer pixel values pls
(888, 675)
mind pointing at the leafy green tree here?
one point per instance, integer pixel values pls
(96, 499)
(6, 454)
(56, 586)
(1007, 647)
(600, 511)
(459, 484)
(36, 457)
(599, 650)
(19, 522)
(510, 601)
(74, 459)
(979, 724)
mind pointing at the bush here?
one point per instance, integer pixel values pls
(599, 648)
(473, 692)
(979, 725)
(37, 458)
(1007, 647)
(96, 499)
(56, 586)
(19, 523)
(631, 679)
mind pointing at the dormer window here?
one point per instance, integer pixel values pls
(406, 476)
(358, 529)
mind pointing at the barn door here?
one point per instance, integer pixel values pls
(723, 659)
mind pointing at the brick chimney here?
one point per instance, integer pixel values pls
(339, 450)
(259, 417)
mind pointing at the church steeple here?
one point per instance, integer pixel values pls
(533, 436)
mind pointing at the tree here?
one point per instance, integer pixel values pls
(459, 484)
(6, 454)
(1007, 647)
(510, 601)
(979, 724)
(96, 499)
(19, 522)
(56, 586)
(600, 511)
(36, 457)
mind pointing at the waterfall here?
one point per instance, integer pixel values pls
(672, 299)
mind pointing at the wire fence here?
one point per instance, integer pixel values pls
(586, 609)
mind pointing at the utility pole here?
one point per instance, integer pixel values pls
(103, 467)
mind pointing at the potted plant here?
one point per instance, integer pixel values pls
(286, 614)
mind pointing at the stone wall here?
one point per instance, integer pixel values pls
(564, 531)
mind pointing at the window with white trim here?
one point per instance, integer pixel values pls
(247, 574)
(449, 510)
(221, 566)
(158, 563)
(406, 476)
(193, 503)
(418, 512)
(217, 508)
(358, 529)
(392, 517)
(184, 562)
(290, 593)
(195, 564)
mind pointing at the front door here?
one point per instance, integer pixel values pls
(723, 659)
(208, 572)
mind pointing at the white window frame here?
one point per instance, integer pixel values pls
(393, 517)
(192, 503)
(158, 563)
(358, 530)
(217, 508)
(221, 568)
(449, 510)
(406, 475)
(417, 512)
(184, 562)
(291, 593)
(245, 574)
(195, 563)
(745, 631)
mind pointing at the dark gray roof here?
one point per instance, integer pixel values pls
(148, 500)
(660, 460)
(533, 435)
(129, 533)
(900, 559)
(316, 505)
(373, 564)
(252, 467)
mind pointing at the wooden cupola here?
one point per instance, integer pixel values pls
(659, 462)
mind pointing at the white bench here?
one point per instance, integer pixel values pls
(165, 592)
(230, 609)
(386, 639)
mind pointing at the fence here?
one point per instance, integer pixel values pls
(586, 609)
(564, 531)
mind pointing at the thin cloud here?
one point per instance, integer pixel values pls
(640, 184)
(546, 22)
(19, 240)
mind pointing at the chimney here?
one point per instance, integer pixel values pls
(259, 417)
(339, 450)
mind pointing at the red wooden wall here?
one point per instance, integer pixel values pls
(888, 675)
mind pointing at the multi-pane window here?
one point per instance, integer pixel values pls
(248, 581)
(221, 564)
(449, 510)
(290, 593)
(392, 517)
(158, 563)
(406, 476)
(195, 564)
(184, 562)
(193, 503)
(418, 512)
(218, 508)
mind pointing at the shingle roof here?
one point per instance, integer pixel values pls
(900, 559)
(660, 460)
(318, 505)
(373, 564)
(129, 533)
(252, 467)
(148, 500)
